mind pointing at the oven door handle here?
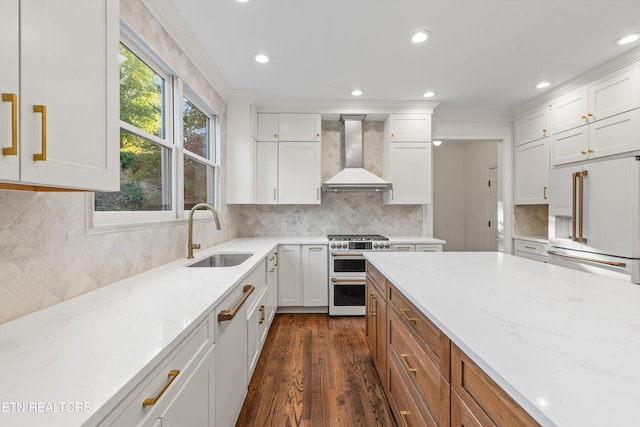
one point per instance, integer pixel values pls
(354, 280)
(351, 254)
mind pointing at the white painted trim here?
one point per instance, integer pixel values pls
(173, 23)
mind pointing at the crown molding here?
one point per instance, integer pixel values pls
(173, 23)
(621, 61)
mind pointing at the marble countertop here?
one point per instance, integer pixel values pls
(92, 347)
(563, 343)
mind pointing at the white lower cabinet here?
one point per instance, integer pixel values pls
(272, 286)
(303, 276)
(428, 248)
(192, 405)
(418, 247)
(169, 388)
(289, 289)
(403, 248)
(257, 330)
(525, 248)
(315, 275)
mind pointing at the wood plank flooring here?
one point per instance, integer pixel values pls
(315, 370)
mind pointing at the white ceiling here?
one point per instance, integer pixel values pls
(482, 54)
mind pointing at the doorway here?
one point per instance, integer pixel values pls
(461, 212)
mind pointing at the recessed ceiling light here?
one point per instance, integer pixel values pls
(420, 36)
(437, 142)
(261, 58)
(429, 94)
(542, 85)
(242, 1)
(629, 38)
(356, 92)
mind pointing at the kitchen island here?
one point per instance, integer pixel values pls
(563, 344)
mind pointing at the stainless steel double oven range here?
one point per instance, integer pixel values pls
(347, 271)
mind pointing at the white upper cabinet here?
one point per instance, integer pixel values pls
(532, 173)
(242, 119)
(408, 127)
(532, 127)
(299, 127)
(266, 189)
(299, 173)
(407, 166)
(67, 99)
(598, 120)
(268, 127)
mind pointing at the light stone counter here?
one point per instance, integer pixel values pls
(415, 240)
(564, 344)
(61, 365)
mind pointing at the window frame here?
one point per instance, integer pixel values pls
(175, 89)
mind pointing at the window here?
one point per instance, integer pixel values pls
(199, 143)
(149, 148)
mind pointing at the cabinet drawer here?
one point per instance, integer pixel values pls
(420, 370)
(183, 358)
(532, 248)
(428, 248)
(487, 401)
(404, 408)
(377, 279)
(428, 336)
(461, 415)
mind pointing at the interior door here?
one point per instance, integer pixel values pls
(492, 209)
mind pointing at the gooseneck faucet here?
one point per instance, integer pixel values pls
(191, 246)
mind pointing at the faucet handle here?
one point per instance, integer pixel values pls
(195, 246)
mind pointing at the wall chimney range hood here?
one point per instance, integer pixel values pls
(354, 178)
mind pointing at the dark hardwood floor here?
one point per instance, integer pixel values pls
(315, 370)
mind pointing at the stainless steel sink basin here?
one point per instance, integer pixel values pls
(222, 260)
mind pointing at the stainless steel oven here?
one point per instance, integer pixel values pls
(347, 271)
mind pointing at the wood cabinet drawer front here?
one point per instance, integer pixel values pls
(430, 338)
(189, 351)
(420, 370)
(404, 408)
(377, 278)
(461, 415)
(488, 402)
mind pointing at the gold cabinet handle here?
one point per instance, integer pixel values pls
(583, 117)
(403, 417)
(589, 115)
(583, 152)
(405, 313)
(544, 193)
(42, 156)
(371, 310)
(589, 150)
(531, 248)
(544, 131)
(13, 99)
(150, 401)
(581, 176)
(229, 314)
(408, 367)
(275, 135)
(261, 315)
(393, 135)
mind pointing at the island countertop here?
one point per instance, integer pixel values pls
(563, 344)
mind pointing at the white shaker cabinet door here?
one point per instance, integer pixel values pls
(532, 127)
(570, 110)
(299, 173)
(267, 127)
(315, 275)
(69, 93)
(9, 88)
(299, 127)
(267, 173)
(408, 168)
(532, 172)
(289, 278)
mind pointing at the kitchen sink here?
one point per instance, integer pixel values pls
(222, 260)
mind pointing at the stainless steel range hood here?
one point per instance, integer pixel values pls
(354, 178)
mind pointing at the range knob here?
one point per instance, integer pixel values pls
(387, 245)
(333, 245)
(345, 245)
(375, 246)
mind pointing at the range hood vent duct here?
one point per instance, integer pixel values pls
(354, 178)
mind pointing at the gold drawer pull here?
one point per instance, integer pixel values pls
(13, 99)
(530, 248)
(405, 362)
(150, 401)
(261, 315)
(42, 156)
(544, 192)
(405, 313)
(229, 314)
(583, 117)
(403, 417)
(371, 311)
